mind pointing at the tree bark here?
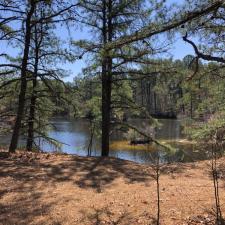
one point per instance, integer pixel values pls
(30, 132)
(106, 111)
(23, 86)
(106, 78)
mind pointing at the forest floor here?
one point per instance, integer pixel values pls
(38, 188)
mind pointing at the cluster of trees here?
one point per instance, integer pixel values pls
(28, 26)
(126, 74)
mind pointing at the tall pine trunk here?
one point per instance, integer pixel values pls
(30, 133)
(31, 118)
(106, 77)
(23, 86)
(106, 111)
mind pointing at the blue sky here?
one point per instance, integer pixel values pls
(181, 49)
(178, 50)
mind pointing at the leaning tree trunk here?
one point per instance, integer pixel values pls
(23, 86)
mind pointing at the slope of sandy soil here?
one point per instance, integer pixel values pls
(61, 189)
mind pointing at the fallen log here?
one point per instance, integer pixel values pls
(140, 142)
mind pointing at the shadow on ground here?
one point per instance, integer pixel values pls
(106, 216)
(22, 173)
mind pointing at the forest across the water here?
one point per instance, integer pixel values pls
(108, 99)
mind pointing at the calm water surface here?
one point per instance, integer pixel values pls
(75, 137)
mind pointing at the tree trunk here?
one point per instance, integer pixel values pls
(23, 86)
(106, 111)
(106, 78)
(158, 189)
(30, 132)
(155, 102)
(30, 137)
(142, 93)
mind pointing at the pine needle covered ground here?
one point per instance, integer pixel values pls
(38, 188)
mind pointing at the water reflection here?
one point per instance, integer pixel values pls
(75, 137)
(75, 133)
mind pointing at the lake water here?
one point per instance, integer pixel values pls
(75, 137)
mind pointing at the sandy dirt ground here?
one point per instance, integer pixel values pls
(61, 189)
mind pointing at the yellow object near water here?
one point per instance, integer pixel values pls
(125, 145)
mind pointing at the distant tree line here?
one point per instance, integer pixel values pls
(126, 73)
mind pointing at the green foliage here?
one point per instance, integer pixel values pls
(207, 131)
